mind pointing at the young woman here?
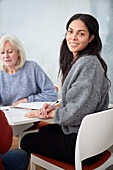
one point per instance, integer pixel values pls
(85, 91)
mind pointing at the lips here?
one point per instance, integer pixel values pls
(7, 60)
(74, 44)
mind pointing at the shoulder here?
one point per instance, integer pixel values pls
(88, 61)
(31, 65)
(85, 66)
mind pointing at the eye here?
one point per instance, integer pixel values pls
(69, 31)
(81, 33)
(2, 52)
(10, 51)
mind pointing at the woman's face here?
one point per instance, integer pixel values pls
(9, 55)
(77, 36)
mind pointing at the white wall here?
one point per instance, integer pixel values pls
(40, 25)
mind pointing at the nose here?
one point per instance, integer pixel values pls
(6, 54)
(74, 37)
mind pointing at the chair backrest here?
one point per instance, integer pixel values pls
(56, 86)
(95, 136)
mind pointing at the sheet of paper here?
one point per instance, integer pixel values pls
(16, 116)
(32, 105)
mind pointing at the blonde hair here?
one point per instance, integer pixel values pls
(16, 44)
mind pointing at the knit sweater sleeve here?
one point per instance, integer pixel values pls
(6, 134)
(81, 92)
(47, 91)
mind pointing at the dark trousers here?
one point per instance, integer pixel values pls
(50, 141)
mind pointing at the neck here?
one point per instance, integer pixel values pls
(11, 70)
(75, 56)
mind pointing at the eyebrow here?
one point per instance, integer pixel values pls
(78, 30)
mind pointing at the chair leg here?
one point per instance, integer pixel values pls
(32, 166)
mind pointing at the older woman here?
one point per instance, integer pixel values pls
(20, 80)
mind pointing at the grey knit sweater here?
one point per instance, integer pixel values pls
(85, 91)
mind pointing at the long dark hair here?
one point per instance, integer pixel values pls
(93, 48)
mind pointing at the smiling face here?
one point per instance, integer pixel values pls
(77, 36)
(9, 56)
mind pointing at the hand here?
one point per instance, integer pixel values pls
(42, 113)
(46, 108)
(24, 100)
(35, 114)
(50, 115)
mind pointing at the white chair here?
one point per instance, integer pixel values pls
(110, 105)
(95, 136)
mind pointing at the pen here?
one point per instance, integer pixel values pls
(18, 108)
(15, 107)
(51, 106)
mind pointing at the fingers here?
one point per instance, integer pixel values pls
(24, 100)
(44, 109)
(36, 114)
(32, 114)
(14, 104)
(47, 108)
(43, 113)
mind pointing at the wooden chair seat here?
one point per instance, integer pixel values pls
(67, 166)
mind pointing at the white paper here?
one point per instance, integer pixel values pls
(16, 116)
(31, 105)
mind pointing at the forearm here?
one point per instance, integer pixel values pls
(24, 100)
(43, 97)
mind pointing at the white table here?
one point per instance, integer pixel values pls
(18, 129)
(16, 118)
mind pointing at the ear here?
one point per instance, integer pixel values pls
(91, 38)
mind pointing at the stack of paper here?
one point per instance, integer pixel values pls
(15, 115)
